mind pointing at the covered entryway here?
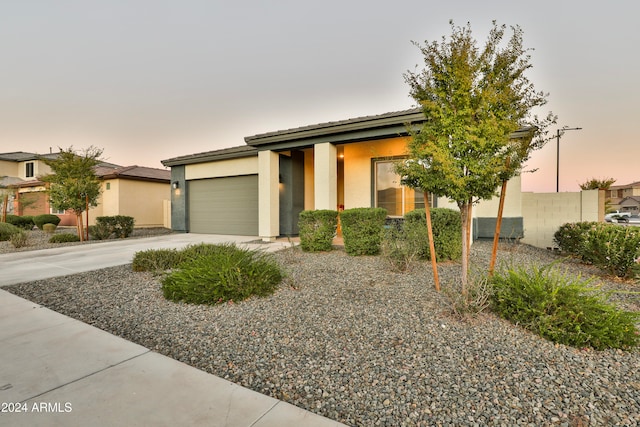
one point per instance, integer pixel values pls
(227, 205)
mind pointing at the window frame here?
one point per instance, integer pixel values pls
(29, 169)
(374, 190)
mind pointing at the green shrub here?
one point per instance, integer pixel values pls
(64, 238)
(24, 222)
(225, 273)
(100, 231)
(7, 230)
(156, 260)
(120, 226)
(447, 232)
(49, 228)
(570, 237)
(562, 309)
(19, 239)
(474, 301)
(398, 249)
(41, 220)
(613, 248)
(317, 229)
(362, 230)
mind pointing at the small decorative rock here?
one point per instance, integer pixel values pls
(347, 339)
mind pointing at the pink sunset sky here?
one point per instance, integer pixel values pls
(150, 80)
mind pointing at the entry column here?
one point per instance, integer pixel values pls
(268, 197)
(325, 176)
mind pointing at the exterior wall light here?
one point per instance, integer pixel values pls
(175, 185)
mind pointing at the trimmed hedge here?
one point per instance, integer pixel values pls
(317, 229)
(447, 232)
(24, 222)
(41, 220)
(64, 238)
(362, 230)
(118, 226)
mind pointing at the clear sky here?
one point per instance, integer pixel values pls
(148, 80)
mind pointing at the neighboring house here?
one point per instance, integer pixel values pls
(134, 191)
(259, 189)
(616, 194)
(630, 204)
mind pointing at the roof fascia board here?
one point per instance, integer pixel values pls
(325, 130)
(207, 157)
(342, 138)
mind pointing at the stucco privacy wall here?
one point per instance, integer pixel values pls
(544, 213)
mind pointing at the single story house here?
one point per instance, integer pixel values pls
(260, 188)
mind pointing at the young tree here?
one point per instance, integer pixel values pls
(473, 101)
(73, 185)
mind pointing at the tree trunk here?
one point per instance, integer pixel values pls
(469, 226)
(79, 227)
(496, 235)
(432, 246)
(5, 202)
(464, 215)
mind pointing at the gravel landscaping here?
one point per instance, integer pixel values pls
(348, 339)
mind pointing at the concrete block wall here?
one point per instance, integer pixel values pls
(544, 213)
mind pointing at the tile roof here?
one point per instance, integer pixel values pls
(135, 172)
(224, 153)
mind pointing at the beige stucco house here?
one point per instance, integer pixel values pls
(260, 188)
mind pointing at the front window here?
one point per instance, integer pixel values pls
(390, 194)
(28, 172)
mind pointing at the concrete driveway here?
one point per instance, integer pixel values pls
(28, 266)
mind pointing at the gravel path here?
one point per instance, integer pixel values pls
(346, 338)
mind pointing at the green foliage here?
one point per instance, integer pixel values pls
(49, 228)
(362, 230)
(100, 231)
(73, 182)
(157, 260)
(41, 220)
(399, 249)
(225, 273)
(7, 230)
(597, 184)
(24, 222)
(19, 239)
(317, 229)
(118, 226)
(570, 237)
(64, 238)
(474, 100)
(469, 304)
(447, 232)
(563, 309)
(612, 248)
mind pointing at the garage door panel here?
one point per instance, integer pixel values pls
(226, 205)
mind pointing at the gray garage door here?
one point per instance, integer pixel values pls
(224, 205)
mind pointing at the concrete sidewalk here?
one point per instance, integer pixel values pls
(57, 371)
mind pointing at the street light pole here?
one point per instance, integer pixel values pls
(559, 133)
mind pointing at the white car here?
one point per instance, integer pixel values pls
(617, 216)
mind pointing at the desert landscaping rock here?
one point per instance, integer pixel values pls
(346, 338)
